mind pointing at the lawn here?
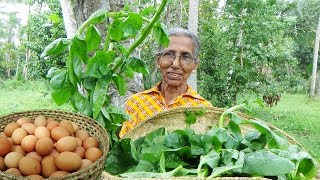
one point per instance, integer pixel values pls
(16, 96)
(296, 114)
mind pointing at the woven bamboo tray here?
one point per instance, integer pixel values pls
(93, 171)
(174, 119)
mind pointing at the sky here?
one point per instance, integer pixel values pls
(20, 8)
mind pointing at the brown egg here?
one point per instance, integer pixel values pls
(48, 166)
(67, 125)
(68, 161)
(35, 156)
(75, 126)
(35, 177)
(29, 127)
(50, 119)
(44, 146)
(28, 143)
(82, 134)
(58, 132)
(24, 120)
(6, 146)
(29, 166)
(67, 143)
(12, 159)
(79, 141)
(52, 125)
(41, 131)
(93, 154)
(54, 153)
(18, 148)
(18, 135)
(2, 165)
(90, 142)
(80, 151)
(40, 121)
(59, 174)
(14, 171)
(85, 163)
(8, 130)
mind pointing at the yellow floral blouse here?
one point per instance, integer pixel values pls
(142, 105)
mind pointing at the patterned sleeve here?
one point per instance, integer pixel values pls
(127, 125)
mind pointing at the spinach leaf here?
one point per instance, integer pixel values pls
(149, 138)
(211, 159)
(173, 160)
(222, 170)
(266, 163)
(116, 162)
(176, 140)
(274, 140)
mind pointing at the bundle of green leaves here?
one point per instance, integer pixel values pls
(228, 150)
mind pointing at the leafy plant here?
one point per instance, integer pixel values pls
(95, 62)
(227, 150)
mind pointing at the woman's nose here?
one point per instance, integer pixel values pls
(176, 61)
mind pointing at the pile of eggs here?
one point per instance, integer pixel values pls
(43, 148)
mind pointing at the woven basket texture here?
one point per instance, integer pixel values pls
(174, 119)
(95, 130)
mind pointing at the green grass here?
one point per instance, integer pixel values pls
(17, 96)
(296, 114)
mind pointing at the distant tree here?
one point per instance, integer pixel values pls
(193, 27)
(315, 63)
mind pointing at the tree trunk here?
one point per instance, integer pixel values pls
(318, 87)
(69, 18)
(193, 27)
(315, 62)
(221, 6)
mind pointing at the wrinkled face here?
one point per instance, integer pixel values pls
(176, 70)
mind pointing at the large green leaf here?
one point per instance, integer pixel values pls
(161, 34)
(82, 104)
(58, 79)
(79, 48)
(98, 16)
(62, 89)
(132, 24)
(115, 31)
(266, 163)
(137, 65)
(274, 140)
(62, 95)
(115, 114)
(116, 163)
(56, 47)
(120, 83)
(93, 38)
(99, 95)
(211, 159)
(98, 64)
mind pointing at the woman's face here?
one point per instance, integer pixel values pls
(176, 72)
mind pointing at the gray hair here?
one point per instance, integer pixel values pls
(191, 35)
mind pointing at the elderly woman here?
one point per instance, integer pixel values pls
(176, 62)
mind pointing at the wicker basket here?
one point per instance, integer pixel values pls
(174, 119)
(93, 171)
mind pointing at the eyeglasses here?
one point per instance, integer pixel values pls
(184, 58)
